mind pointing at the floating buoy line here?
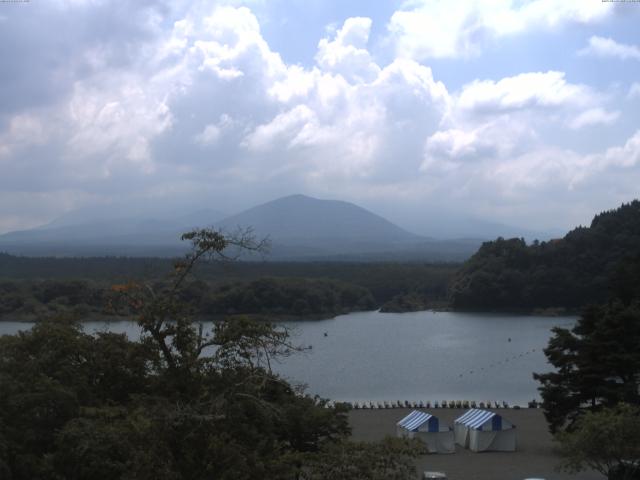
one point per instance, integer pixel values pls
(496, 364)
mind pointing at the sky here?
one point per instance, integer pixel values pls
(520, 112)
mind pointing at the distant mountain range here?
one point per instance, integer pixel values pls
(299, 228)
(86, 236)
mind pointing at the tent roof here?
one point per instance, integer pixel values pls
(476, 418)
(414, 420)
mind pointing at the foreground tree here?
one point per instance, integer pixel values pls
(607, 441)
(391, 459)
(597, 364)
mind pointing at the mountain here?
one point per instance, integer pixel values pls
(84, 234)
(298, 218)
(298, 227)
(305, 228)
(570, 272)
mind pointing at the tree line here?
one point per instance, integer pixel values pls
(267, 296)
(222, 287)
(581, 268)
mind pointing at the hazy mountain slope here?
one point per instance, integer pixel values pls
(298, 218)
(299, 227)
(83, 235)
(441, 226)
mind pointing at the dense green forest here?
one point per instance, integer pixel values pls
(567, 273)
(266, 296)
(33, 287)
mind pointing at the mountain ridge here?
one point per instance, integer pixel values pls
(299, 227)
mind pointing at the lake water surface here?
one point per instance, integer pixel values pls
(409, 356)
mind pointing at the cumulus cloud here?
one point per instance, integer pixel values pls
(495, 121)
(346, 115)
(551, 175)
(440, 29)
(114, 125)
(192, 100)
(594, 116)
(526, 90)
(493, 140)
(626, 156)
(607, 47)
(347, 54)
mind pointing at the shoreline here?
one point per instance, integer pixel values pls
(534, 457)
(290, 317)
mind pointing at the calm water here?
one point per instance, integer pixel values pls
(410, 356)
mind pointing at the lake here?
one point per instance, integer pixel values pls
(409, 356)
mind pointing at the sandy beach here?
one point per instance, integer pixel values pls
(534, 457)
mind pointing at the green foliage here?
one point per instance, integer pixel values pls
(181, 403)
(607, 441)
(390, 459)
(287, 296)
(568, 273)
(274, 289)
(48, 375)
(52, 297)
(597, 364)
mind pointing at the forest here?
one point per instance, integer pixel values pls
(564, 274)
(35, 287)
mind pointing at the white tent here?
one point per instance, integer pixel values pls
(482, 431)
(426, 427)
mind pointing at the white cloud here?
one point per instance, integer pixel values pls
(285, 127)
(499, 138)
(234, 42)
(634, 91)
(440, 28)
(114, 125)
(347, 53)
(210, 102)
(626, 156)
(594, 116)
(527, 90)
(567, 169)
(209, 136)
(607, 47)
(544, 169)
(345, 115)
(489, 119)
(297, 83)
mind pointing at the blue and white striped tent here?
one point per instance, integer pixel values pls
(416, 419)
(482, 430)
(438, 438)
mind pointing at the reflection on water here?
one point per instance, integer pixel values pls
(409, 356)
